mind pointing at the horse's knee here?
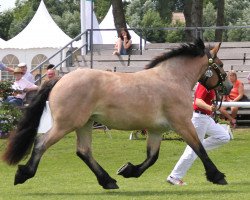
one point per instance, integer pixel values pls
(84, 156)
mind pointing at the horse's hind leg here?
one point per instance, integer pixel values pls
(41, 144)
(84, 140)
(153, 146)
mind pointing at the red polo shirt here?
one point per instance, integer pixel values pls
(206, 95)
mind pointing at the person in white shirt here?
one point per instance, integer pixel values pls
(3, 67)
(21, 87)
(27, 75)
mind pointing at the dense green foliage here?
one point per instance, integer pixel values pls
(62, 175)
(9, 115)
(140, 14)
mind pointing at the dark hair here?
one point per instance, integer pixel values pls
(120, 33)
(50, 66)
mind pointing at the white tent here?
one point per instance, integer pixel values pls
(97, 37)
(39, 40)
(2, 42)
(109, 37)
(41, 32)
(86, 24)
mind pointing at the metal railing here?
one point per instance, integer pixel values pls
(88, 46)
(68, 46)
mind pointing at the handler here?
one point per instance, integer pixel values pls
(204, 125)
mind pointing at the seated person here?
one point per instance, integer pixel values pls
(21, 87)
(26, 74)
(123, 43)
(236, 94)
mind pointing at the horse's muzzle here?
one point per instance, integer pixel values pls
(227, 87)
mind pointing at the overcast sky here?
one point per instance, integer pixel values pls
(5, 4)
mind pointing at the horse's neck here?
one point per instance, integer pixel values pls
(184, 70)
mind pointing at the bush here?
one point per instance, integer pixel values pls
(9, 117)
(5, 89)
(9, 114)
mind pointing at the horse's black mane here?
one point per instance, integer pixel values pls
(192, 50)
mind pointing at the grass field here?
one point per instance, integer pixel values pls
(62, 175)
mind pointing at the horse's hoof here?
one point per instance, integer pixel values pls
(22, 175)
(111, 186)
(127, 170)
(222, 182)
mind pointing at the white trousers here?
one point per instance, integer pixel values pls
(204, 125)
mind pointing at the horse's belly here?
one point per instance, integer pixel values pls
(131, 121)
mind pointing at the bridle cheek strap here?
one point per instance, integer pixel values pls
(215, 67)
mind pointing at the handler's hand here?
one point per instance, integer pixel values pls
(213, 107)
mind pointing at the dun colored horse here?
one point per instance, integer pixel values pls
(156, 98)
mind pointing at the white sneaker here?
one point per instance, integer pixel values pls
(175, 181)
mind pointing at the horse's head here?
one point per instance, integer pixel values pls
(215, 76)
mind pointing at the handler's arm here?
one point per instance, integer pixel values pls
(202, 104)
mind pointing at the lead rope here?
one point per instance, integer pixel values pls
(215, 102)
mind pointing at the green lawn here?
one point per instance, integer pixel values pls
(62, 175)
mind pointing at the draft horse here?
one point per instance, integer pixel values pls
(86, 95)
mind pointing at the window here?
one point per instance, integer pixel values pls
(38, 59)
(11, 61)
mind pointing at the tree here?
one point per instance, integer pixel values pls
(118, 13)
(220, 20)
(165, 8)
(142, 14)
(237, 13)
(241, 34)
(69, 22)
(234, 10)
(193, 10)
(209, 16)
(101, 9)
(152, 19)
(5, 22)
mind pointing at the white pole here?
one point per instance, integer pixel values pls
(236, 104)
(83, 24)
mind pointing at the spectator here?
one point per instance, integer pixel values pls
(51, 74)
(4, 67)
(21, 87)
(50, 66)
(27, 75)
(123, 43)
(204, 125)
(236, 94)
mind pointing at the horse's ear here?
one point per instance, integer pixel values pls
(216, 49)
(199, 43)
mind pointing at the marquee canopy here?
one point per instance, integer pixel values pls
(41, 32)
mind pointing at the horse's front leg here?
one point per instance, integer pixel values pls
(153, 146)
(84, 140)
(188, 133)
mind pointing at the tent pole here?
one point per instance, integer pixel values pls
(83, 24)
(91, 34)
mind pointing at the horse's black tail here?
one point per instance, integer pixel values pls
(22, 139)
